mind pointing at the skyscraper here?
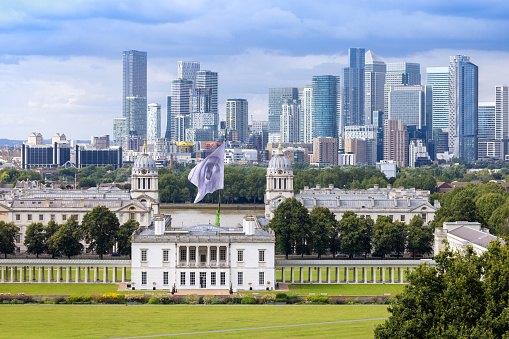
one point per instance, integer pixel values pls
(374, 81)
(208, 79)
(119, 131)
(180, 100)
(438, 79)
(278, 96)
(463, 108)
(501, 113)
(407, 103)
(135, 92)
(396, 142)
(486, 127)
(154, 121)
(237, 117)
(187, 70)
(290, 121)
(401, 73)
(325, 106)
(306, 118)
(352, 110)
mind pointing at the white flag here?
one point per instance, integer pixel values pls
(208, 176)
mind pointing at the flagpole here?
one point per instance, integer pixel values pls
(218, 213)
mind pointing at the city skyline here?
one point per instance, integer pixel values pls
(61, 65)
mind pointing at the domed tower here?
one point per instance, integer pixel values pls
(279, 181)
(144, 181)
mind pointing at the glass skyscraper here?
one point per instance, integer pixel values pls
(352, 111)
(463, 108)
(325, 106)
(401, 73)
(374, 81)
(134, 101)
(438, 79)
(237, 117)
(277, 97)
(486, 122)
(154, 121)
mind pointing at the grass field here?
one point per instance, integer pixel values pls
(58, 289)
(346, 290)
(111, 321)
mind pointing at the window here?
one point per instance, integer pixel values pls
(52, 217)
(183, 255)
(402, 218)
(182, 278)
(165, 255)
(41, 217)
(261, 255)
(132, 216)
(240, 278)
(423, 216)
(76, 217)
(213, 254)
(29, 217)
(192, 254)
(18, 217)
(261, 278)
(143, 255)
(143, 278)
(222, 254)
(212, 278)
(240, 255)
(165, 278)
(18, 238)
(192, 278)
(391, 217)
(64, 217)
(223, 278)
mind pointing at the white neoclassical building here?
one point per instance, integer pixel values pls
(398, 203)
(30, 202)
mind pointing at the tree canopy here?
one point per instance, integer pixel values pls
(7, 237)
(35, 239)
(67, 239)
(101, 227)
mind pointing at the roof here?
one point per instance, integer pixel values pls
(371, 57)
(479, 238)
(279, 161)
(145, 161)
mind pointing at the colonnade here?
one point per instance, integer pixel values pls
(64, 271)
(214, 255)
(345, 271)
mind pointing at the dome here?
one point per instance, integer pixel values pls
(279, 161)
(145, 161)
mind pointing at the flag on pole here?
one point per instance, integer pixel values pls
(208, 176)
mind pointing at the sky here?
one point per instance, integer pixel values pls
(61, 60)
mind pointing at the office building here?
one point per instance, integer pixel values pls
(400, 73)
(87, 155)
(290, 130)
(372, 136)
(406, 103)
(101, 142)
(374, 81)
(187, 70)
(154, 121)
(438, 79)
(352, 93)
(180, 104)
(325, 106)
(418, 153)
(325, 151)
(396, 142)
(35, 154)
(306, 114)
(237, 117)
(463, 108)
(208, 79)
(169, 119)
(119, 131)
(501, 113)
(278, 96)
(135, 91)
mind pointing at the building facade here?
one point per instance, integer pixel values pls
(277, 96)
(135, 91)
(154, 121)
(237, 117)
(438, 79)
(325, 106)
(374, 81)
(352, 92)
(396, 142)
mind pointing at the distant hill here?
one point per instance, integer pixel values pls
(8, 142)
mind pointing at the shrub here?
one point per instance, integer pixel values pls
(248, 300)
(153, 300)
(73, 299)
(281, 296)
(388, 300)
(336, 300)
(236, 300)
(192, 299)
(112, 298)
(218, 301)
(17, 299)
(293, 299)
(317, 298)
(142, 299)
(208, 299)
(268, 298)
(351, 301)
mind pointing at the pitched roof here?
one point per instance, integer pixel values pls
(480, 238)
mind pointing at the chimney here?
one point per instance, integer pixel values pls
(159, 225)
(248, 225)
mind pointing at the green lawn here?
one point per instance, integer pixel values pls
(347, 289)
(103, 321)
(58, 289)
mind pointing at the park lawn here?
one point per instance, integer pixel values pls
(103, 321)
(57, 289)
(347, 289)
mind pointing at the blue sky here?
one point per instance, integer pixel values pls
(61, 60)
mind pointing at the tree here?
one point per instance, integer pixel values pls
(398, 234)
(7, 236)
(323, 224)
(124, 237)
(420, 237)
(50, 230)
(389, 236)
(349, 234)
(487, 204)
(463, 296)
(35, 239)
(87, 182)
(101, 227)
(67, 239)
(290, 224)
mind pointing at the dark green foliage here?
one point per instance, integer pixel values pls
(420, 237)
(49, 230)
(464, 296)
(355, 234)
(424, 182)
(323, 226)
(248, 300)
(7, 236)
(67, 239)
(124, 237)
(35, 239)
(101, 227)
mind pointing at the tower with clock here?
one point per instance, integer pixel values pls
(279, 182)
(144, 181)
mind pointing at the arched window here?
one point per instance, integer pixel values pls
(143, 183)
(148, 183)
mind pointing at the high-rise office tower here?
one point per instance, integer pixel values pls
(401, 73)
(352, 102)
(463, 108)
(290, 121)
(278, 96)
(187, 70)
(501, 113)
(438, 79)
(119, 131)
(180, 104)
(135, 92)
(407, 103)
(325, 106)
(208, 79)
(374, 81)
(237, 117)
(154, 121)
(396, 142)
(306, 118)
(169, 119)
(486, 126)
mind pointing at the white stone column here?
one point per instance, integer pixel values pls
(2, 279)
(208, 256)
(87, 274)
(68, 274)
(115, 274)
(77, 277)
(310, 274)
(292, 274)
(187, 256)
(393, 271)
(319, 269)
(383, 275)
(355, 275)
(347, 275)
(105, 274)
(301, 274)
(328, 275)
(123, 274)
(29, 274)
(40, 274)
(283, 274)
(59, 269)
(337, 274)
